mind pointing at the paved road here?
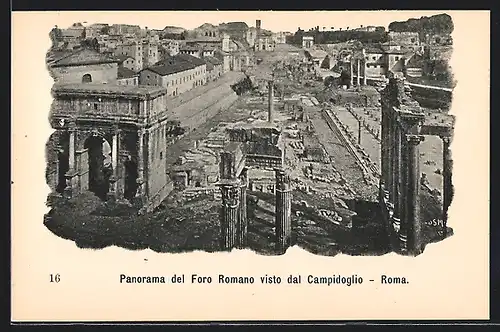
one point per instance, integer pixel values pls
(343, 160)
(431, 149)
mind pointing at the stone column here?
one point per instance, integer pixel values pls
(283, 213)
(229, 215)
(364, 72)
(447, 181)
(141, 190)
(402, 172)
(243, 219)
(390, 154)
(396, 162)
(71, 174)
(352, 73)
(384, 145)
(114, 162)
(270, 115)
(412, 221)
(358, 76)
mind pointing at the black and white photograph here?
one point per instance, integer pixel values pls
(229, 135)
(250, 166)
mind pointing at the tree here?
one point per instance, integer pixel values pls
(105, 30)
(329, 81)
(90, 44)
(326, 63)
(345, 78)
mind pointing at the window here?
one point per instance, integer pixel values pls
(413, 40)
(95, 106)
(87, 78)
(397, 58)
(161, 154)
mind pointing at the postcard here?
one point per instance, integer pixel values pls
(250, 166)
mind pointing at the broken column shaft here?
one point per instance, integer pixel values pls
(229, 215)
(283, 212)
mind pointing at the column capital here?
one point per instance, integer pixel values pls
(414, 139)
(230, 195)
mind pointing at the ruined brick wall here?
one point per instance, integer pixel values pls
(100, 73)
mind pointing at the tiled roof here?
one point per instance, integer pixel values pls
(234, 26)
(212, 60)
(170, 66)
(122, 58)
(190, 59)
(210, 66)
(83, 57)
(124, 72)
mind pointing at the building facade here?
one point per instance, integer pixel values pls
(85, 66)
(109, 140)
(177, 74)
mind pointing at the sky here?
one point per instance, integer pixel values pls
(271, 20)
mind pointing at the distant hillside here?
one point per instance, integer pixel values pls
(437, 24)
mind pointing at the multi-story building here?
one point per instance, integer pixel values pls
(307, 41)
(95, 30)
(205, 30)
(198, 51)
(214, 68)
(127, 76)
(169, 47)
(150, 54)
(236, 30)
(280, 37)
(263, 39)
(177, 74)
(144, 53)
(125, 29)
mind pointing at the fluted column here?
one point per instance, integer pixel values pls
(390, 155)
(447, 181)
(413, 192)
(229, 215)
(397, 163)
(384, 146)
(283, 213)
(243, 219)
